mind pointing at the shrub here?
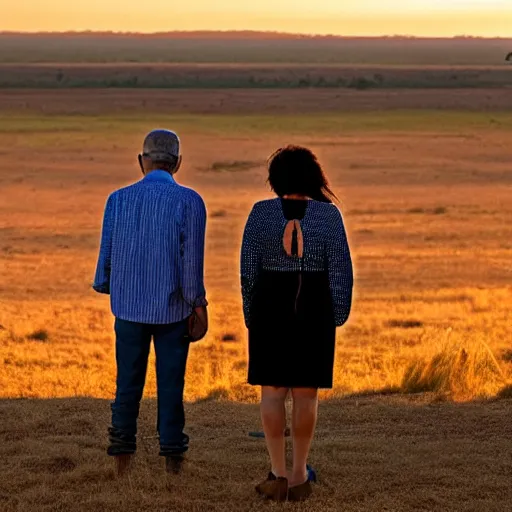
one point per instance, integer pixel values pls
(361, 83)
(378, 78)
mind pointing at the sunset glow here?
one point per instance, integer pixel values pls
(344, 17)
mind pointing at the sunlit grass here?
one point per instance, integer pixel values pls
(458, 371)
(426, 205)
(76, 356)
(458, 122)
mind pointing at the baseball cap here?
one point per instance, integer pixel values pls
(162, 146)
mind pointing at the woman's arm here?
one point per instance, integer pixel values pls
(339, 265)
(250, 261)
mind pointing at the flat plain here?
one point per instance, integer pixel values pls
(419, 414)
(249, 48)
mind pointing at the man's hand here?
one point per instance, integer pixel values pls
(198, 324)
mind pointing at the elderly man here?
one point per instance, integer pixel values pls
(151, 263)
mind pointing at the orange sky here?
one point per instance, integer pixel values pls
(346, 17)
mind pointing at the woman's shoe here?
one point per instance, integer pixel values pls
(273, 488)
(300, 492)
(312, 476)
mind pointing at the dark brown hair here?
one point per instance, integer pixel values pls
(296, 170)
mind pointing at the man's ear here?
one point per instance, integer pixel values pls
(141, 164)
(178, 165)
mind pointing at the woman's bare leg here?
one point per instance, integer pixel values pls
(273, 416)
(305, 409)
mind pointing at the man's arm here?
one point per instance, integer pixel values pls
(193, 241)
(102, 278)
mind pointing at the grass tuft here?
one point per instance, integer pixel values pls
(218, 214)
(439, 210)
(404, 324)
(39, 335)
(229, 337)
(457, 371)
(507, 356)
(233, 166)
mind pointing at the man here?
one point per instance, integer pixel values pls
(151, 263)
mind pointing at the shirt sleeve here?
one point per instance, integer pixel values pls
(339, 265)
(192, 249)
(102, 277)
(250, 262)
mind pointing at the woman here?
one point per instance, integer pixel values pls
(297, 288)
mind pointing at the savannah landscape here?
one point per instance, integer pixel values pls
(419, 418)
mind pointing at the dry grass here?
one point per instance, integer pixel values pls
(456, 371)
(426, 197)
(417, 203)
(372, 454)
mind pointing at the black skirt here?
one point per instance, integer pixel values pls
(292, 332)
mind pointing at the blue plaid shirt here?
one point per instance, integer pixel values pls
(152, 251)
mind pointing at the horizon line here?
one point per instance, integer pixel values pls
(234, 32)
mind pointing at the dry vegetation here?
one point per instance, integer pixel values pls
(251, 76)
(426, 196)
(249, 61)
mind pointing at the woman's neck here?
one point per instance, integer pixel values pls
(296, 197)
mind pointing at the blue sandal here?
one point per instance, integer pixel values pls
(312, 476)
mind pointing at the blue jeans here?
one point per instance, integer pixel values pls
(133, 342)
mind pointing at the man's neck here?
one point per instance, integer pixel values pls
(159, 175)
(157, 169)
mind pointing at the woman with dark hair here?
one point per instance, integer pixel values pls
(297, 288)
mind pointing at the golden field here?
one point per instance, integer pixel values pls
(426, 198)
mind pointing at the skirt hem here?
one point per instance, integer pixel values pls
(294, 385)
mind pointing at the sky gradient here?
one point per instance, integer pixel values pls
(487, 18)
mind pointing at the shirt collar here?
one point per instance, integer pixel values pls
(159, 175)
